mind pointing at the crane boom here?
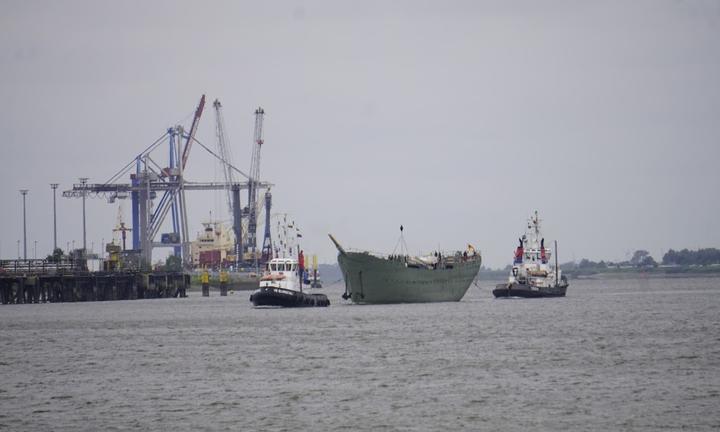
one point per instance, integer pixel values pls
(224, 151)
(193, 129)
(258, 139)
(253, 181)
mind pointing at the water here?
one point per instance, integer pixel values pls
(634, 354)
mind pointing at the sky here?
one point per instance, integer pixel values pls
(455, 119)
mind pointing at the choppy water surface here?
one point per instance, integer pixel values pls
(637, 354)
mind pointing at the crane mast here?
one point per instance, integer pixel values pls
(231, 188)
(224, 152)
(253, 183)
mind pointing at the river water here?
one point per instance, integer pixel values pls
(629, 354)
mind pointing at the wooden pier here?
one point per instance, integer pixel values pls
(26, 282)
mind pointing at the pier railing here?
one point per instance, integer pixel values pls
(37, 266)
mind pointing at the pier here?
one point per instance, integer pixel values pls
(39, 281)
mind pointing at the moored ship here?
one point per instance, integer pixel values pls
(213, 251)
(531, 275)
(376, 279)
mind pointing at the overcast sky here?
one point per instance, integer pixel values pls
(455, 119)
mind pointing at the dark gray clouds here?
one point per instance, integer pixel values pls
(456, 119)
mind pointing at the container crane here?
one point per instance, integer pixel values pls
(149, 181)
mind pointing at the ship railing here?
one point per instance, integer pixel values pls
(444, 253)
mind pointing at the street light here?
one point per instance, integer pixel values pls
(83, 181)
(35, 250)
(24, 194)
(54, 188)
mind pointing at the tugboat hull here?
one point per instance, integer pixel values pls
(279, 297)
(526, 291)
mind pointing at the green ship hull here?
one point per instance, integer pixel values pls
(374, 280)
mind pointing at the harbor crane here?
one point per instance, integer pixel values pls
(252, 181)
(149, 180)
(232, 191)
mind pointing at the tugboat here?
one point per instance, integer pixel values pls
(281, 286)
(531, 275)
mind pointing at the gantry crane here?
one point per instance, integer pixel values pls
(149, 179)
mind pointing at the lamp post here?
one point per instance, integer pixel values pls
(54, 188)
(24, 194)
(83, 181)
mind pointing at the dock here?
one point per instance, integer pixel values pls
(39, 281)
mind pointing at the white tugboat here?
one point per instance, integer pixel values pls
(532, 275)
(280, 286)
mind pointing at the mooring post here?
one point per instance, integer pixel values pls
(144, 285)
(223, 283)
(30, 296)
(205, 280)
(20, 291)
(44, 291)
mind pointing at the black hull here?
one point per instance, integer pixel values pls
(279, 297)
(524, 291)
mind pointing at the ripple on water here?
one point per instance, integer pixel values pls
(612, 355)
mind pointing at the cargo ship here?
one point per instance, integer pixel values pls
(531, 274)
(378, 279)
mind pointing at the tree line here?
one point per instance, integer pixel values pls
(642, 259)
(706, 256)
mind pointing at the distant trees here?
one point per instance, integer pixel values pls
(707, 256)
(587, 264)
(642, 258)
